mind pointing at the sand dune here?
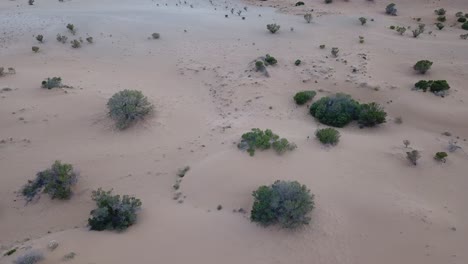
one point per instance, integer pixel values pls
(373, 206)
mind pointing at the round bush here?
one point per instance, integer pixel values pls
(329, 136)
(371, 115)
(304, 96)
(337, 110)
(465, 26)
(439, 85)
(286, 203)
(128, 106)
(423, 85)
(422, 66)
(462, 19)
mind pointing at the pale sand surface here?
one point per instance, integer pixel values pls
(372, 205)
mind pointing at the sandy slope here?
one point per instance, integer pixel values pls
(372, 206)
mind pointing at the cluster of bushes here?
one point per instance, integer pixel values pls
(433, 86)
(340, 109)
(262, 140)
(56, 182)
(287, 203)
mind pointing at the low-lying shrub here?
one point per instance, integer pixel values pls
(391, 9)
(35, 49)
(56, 181)
(30, 257)
(304, 96)
(273, 28)
(40, 38)
(54, 82)
(465, 26)
(62, 38)
(270, 60)
(441, 156)
(297, 62)
(461, 19)
(328, 136)
(287, 203)
(363, 20)
(113, 212)
(371, 115)
(433, 86)
(413, 156)
(308, 17)
(440, 26)
(128, 106)
(262, 140)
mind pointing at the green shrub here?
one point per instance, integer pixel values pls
(262, 140)
(433, 86)
(113, 212)
(308, 17)
(297, 62)
(391, 10)
(128, 106)
(334, 51)
(40, 38)
(90, 40)
(465, 26)
(423, 66)
(392, 27)
(413, 156)
(270, 60)
(287, 203)
(440, 12)
(401, 30)
(155, 35)
(462, 20)
(62, 38)
(273, 28)
(440, 26)
(337, 110)
(441, 156)
(300, 3)
(56, 181)
(75, 44)
(71, 28)
(329, 136)
(304, 96)
(54, 82)
(459, 14)
(35, 49)
(371, 114)
(441, 18)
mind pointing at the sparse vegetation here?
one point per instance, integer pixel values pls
(363, 20)
(56, 181)
(30, 257)
(465, 26)
(441, 156)
(10, 252)
(297, 62)
(181, 173)
(441, 18)
(75, 44)
(35, 49)
(54, 82)
(419, 30)
(322, 46)
(308, 17)
(334, 52)
(285, 203)
(406, 143)
(259, 66)
(113, 212)
(304, 96)
(413, 156)
(328, 1)
(71, 28)
(401, 30)
(440, 26)
(329, 136)
(155, 35)
(90, 40)
(361, 39)
(40, 38)
(440, 12)
(262, 140)
(422, 66)
(128, 106)
(337, 110)
(62, 38)
(391, 9)
(273, 28)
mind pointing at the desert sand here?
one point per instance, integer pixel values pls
(372, 205)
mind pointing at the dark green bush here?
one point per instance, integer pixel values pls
(128, 106)
(56, 181)
(262, 140)
(441, 156)
(113, 212)
(269, 60)
(297, 62)
(259, 66)
(54, 82)
(423, 85)
(304, 96)
(441, 18)
(371, 115)
(337, 110)
(287, 203)
(440, 26)
(391, 9)
(440, 12)
(465, 26)
(423, 66)
(300, 3)
(462, 19)
(329, 136)
(328, 1)
(439, 85)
